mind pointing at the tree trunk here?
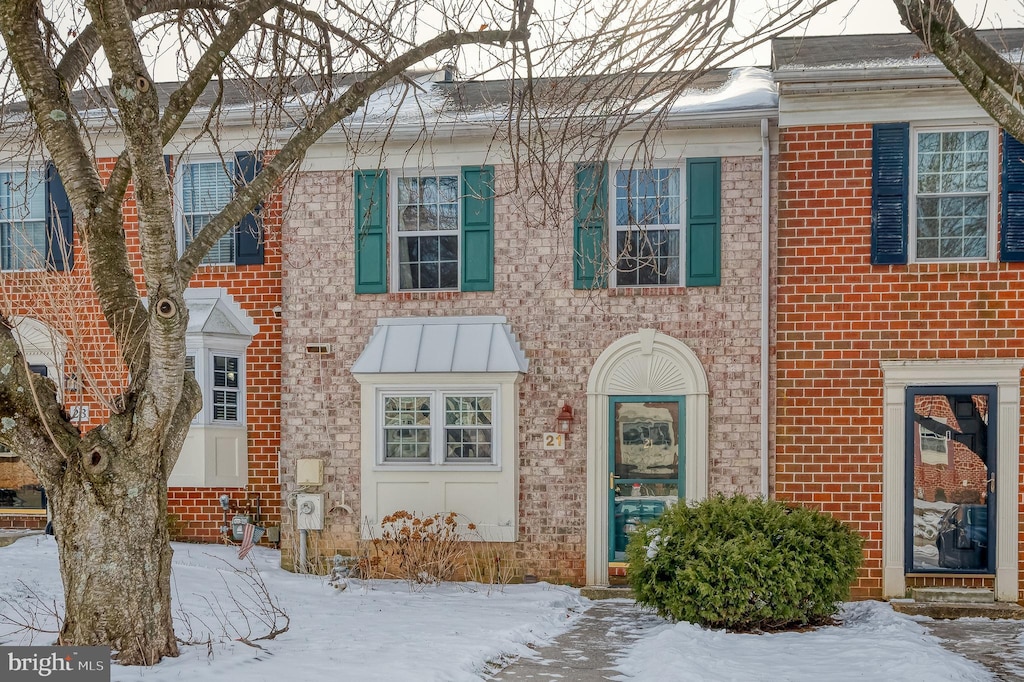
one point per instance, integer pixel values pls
(115, 560)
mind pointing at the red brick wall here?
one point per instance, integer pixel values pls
(839, 316)
(64, 302)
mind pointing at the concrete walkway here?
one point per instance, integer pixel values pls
(587, 652)
(993, 643)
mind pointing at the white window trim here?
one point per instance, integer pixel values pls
(179, 213)
(614, 229)
(437, 429)
(993, 191)
(392, 220)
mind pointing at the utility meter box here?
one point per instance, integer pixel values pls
(309, 472)
(309, 509)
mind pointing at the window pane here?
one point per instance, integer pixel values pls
(205, 189)
(22, 221)
(465, 444)
(647, 197)
(428, 262)
(647, 258)
(407, 428)
(225, 371)
(953, 195)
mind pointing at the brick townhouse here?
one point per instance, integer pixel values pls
(436, 328)
(233, 340)
(899, 325)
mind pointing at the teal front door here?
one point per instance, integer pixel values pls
(646, 463)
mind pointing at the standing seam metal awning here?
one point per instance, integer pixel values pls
(441, 344)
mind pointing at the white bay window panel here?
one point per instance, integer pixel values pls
(439, 421)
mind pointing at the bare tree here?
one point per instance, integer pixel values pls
(982, 67)
(81, 72)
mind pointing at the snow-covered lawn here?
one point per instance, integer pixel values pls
(873, 643)
(385, 631)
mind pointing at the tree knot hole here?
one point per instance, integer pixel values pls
(95, 462)
(165, 308)
(142, 84)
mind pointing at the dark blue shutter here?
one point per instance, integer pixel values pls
(703, 222)
(590, 226)
(168, 165)
(890, 172)
(249, 231)
(1011, 239)
(371, 231)
(59, 225)
(477, 228)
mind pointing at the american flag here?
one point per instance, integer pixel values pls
(250, 536)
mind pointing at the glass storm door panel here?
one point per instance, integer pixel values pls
(646, 461)
(950, 458)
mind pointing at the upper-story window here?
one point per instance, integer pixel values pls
(426, 235)
(22, 221)
(648, 227)
(424, 231)
(204, 188)
(953, 204)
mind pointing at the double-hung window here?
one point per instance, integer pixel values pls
(954, 181)
(22, 221)
(221, 385)
(426, 232)
(647, 227)
(438, 427)
(204, 188)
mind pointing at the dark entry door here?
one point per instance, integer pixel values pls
(950, 474)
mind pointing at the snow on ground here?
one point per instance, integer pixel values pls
(385, 631)
(873, 643)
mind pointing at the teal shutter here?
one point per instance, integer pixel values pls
(59, 223)
(371, 231)
(703, 222)
(249, 231)
(477, 228)
(590, 225)
(890, 173)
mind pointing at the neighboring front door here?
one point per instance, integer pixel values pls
(646, 463)
(950, 475)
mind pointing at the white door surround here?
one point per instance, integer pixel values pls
(645, 363)
(898, 375)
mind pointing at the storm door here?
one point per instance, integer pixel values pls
(950, 477)
(646, 463)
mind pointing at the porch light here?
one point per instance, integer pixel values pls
(564, 420)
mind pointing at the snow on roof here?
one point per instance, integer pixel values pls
(441, 344)
(427, 100)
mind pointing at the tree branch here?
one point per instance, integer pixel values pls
(246, 198)
(989, 78)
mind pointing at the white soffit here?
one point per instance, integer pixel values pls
(402, 345)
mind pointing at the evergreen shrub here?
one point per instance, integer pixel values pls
(744, 564)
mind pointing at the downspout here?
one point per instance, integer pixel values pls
(765, 271)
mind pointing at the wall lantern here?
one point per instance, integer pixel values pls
(564, 420)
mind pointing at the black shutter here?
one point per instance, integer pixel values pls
(60, 234)
(890, 170)
(1011, 238)
(249, 233)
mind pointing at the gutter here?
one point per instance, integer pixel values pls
(765, 272)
